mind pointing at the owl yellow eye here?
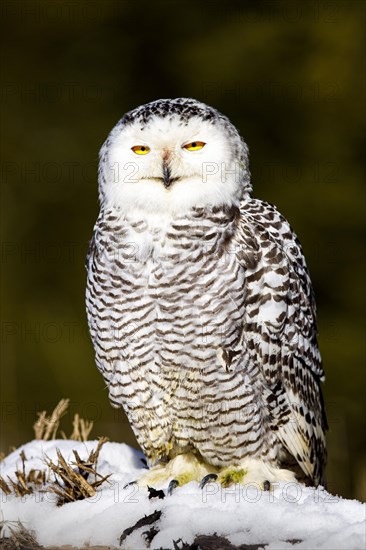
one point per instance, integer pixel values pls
(194, 145)
(140, 149)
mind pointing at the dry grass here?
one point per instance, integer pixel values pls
(73, 481)
(81, 429)
(14, 536)
(46, 427)
(25, 483)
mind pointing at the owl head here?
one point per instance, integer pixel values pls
(171, 155)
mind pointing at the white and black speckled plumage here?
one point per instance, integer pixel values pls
(200, 305)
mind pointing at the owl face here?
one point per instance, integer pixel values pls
(173, 155)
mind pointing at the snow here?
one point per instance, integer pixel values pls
(242, 514)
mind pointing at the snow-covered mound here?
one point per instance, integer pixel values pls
(290, 516)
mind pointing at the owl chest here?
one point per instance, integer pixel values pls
(178, 272)
(187, 288)
(177, 303)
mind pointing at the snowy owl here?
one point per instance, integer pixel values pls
(200, 306)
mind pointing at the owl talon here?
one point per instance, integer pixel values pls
(134, 482)
(266, 485)
(207, 479)
(172, 485)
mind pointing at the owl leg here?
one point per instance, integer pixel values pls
(180, 470)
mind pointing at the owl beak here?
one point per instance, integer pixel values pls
(167, 175)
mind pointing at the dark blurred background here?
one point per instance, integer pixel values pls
(288, 74)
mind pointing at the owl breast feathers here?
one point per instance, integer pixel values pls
(199, 301)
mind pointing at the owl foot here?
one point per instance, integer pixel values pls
(187, 467)
(253, 471)
(227, 479)
(249, 471)
(177, 472)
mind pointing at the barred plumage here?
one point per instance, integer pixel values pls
(199, 302)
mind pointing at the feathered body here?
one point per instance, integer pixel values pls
(199, 301)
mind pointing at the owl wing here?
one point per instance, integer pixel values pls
(280, 333)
